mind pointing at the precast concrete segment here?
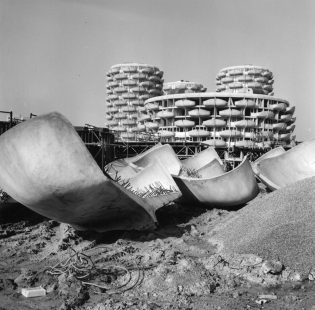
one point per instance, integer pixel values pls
(201, 159)
(272, 153)
(165, 154)
(233, 188)
(211, 170)
(46, 167)
(294, 165)
(144, 179)
(113, 168)
(127, 172)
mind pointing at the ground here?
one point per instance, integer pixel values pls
(172, 267)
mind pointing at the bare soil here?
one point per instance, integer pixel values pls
(172, 267)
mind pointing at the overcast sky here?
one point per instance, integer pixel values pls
(54, 54)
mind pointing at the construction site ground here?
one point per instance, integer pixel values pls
(172, 267)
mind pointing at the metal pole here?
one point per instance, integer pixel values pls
(102, 151)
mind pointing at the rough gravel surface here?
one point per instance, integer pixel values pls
(279, 226)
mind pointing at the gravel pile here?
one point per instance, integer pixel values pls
(279, 226)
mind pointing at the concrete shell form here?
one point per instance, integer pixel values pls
(288, 167)
(211, 187)
(245, 79)
(224, 190)
(46, 167)
(272, 153)
(199, 160)
(234, 119)
(128, 86)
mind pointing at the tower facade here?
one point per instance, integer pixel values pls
(129, 85)
(243, 114)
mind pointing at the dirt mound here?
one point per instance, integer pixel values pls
(174, 267)
(279, 226)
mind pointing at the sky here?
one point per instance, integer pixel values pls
(54, 54)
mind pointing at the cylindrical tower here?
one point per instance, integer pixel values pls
(245, 79)
(128, 86)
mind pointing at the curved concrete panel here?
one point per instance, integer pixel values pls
(201, 159)
(46, 167)
(272, 153)
(229, 189)
(115, 166)
(294, 165)
(165, 154)
(211, 170)
(153, 180)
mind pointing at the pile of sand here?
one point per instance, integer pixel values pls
(280, 225)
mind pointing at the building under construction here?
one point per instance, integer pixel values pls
(241, 117)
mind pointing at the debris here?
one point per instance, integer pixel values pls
(115, 271)
(236, 294)
(194, 232)
(189, 172)
(26, 278)
(272, 266)
(4, 197)
(299, 277)
(267, 297)
(33, 292)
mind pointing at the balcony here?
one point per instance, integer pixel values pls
(184, 123)
(199, 133)
(263, 114)
(230, 113)
(244, 124)
(230, 133)
(166, 114)
(185, 103)
(215, 102)
(128, 109)
(281, 106)
(199, 113)
(152, 106)
(121, 76)
(214, 123)
(245, 103)
(152, 125)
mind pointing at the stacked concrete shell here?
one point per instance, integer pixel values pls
(223, 119)
(128, 86)
(244, 79)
